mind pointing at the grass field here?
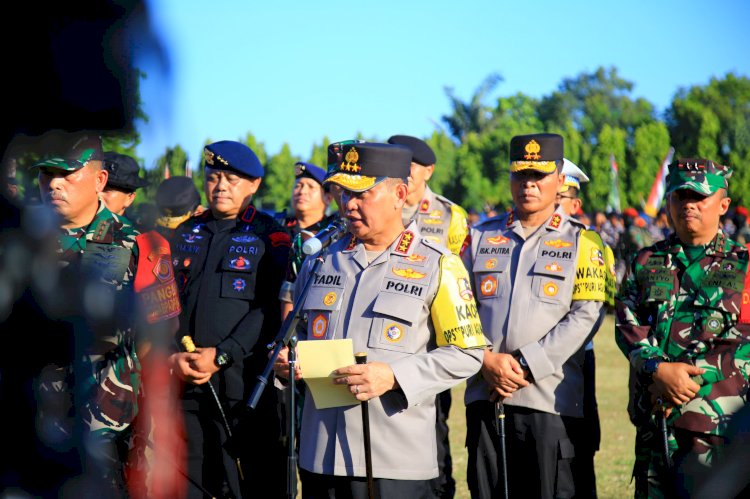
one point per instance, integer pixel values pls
(614, 460)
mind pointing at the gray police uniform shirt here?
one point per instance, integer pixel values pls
(386, 308)
(440, 220)
(524, 289)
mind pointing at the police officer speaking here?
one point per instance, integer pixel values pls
(406, 302)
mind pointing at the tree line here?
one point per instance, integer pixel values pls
(596, 113)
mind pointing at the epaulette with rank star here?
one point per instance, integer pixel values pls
(405, 242)
(555, 221)
(424, 206)
(509, 222)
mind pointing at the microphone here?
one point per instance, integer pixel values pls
(325, 237)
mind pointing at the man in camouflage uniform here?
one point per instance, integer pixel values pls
(683, 326)
(128, 287)
(444, 222)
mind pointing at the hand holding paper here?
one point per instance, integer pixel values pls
(318, 359)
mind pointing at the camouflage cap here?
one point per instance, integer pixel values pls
(700, 175)
(70, 152)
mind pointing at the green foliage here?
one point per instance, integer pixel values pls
(650, 146)
(276, 188)
(713, 121)
(596, 114)
(473, 116)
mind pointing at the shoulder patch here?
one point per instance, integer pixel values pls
(454, 310)
(591, 270)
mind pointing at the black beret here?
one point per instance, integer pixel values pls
(303, 169)
(232, 155)
(123, 171)
(421, 153)
(537, 151)
(365, 165)
(177, 196)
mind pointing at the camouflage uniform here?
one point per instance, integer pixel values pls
(672, 309)
(105, 380)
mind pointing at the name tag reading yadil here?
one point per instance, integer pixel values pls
(454, 311)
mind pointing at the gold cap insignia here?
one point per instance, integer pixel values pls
(532, 150)
(350, 161)
(209, 156)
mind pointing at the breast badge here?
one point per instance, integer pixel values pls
(393, 333)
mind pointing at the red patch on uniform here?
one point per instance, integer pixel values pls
(424, 206)
(745, 307)
(509, 222)
(466, 244)
(280, 239)
(556, 220)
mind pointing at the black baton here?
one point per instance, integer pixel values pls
(361, 358)
(500, 429)
(187, 342)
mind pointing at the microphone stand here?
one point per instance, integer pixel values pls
(287, 337)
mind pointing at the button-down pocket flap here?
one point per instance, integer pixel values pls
(552, 267)
(399, 306)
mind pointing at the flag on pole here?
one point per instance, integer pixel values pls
(613, 200)
(188, 169)
(166, 170)
(656, 196)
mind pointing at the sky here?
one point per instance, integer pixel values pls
(294, 72)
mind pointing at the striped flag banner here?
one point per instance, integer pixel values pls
(656, 196)
(613, 200)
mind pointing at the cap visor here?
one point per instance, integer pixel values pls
(59, 164)
(540, 166)
(354, 183)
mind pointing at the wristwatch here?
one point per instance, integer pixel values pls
(650, 367)
(522, 361)
(222, 358)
